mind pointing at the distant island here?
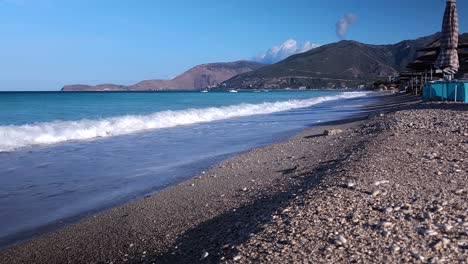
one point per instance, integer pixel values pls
(344, 64)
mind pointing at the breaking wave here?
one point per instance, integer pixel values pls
(17, 136)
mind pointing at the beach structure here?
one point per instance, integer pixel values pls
(447, 60)
(447, 54)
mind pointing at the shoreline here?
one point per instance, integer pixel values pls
(148, 226)
(195, 168)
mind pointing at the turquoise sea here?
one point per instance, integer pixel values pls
(66, 155)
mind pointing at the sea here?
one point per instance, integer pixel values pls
(66, 155)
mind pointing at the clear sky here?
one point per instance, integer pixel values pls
(45, 44)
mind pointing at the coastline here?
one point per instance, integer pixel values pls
(238, 194)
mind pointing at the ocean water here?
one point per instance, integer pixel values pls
(67, 155)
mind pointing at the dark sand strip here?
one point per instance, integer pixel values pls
(211, 214)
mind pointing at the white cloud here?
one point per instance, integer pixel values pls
(344, 23)
(284, 50)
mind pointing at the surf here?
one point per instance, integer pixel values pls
(13, 137)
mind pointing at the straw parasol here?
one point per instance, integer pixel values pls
(447, 60)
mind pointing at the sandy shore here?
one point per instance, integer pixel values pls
(370, 193)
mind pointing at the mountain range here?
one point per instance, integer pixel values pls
(343, 64)
(337, 65)
(198, 77)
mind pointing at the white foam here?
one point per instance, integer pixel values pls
(14, 137)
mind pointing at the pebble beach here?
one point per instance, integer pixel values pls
(387, 186)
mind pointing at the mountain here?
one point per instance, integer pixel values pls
(198, 77)
(342, 64)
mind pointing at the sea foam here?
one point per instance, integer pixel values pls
(18, 136)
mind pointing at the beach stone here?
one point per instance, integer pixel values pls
(395, 248)
(333, 132)
(205, 255)
(341, 240)
(429, 232)
(378, 183)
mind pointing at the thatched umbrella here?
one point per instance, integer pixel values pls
(447, 60)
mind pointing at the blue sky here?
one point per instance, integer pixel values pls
(45, 44)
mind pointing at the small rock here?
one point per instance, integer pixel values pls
(237, 258)
(333, 132)
(395, 248)
(438, 246)
(446, 228)
(441, 244)
(350, 185)
(376, 192)
(438, 209)
(429, 232)
(428, 215)
(341, 240)
(446, 241)
(378, 183)
(417, 256)
(407, 206)
(385, 224)
(205, 255)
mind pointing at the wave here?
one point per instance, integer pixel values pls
(18, 136)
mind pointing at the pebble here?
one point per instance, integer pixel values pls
(205, 255)
(333, 132)
(378, 183)
(429, 232)
(446, 228)
(341, 240)
(428, 215)
(395, 248)
(417, 256)
(385, 224)
(376, 192)
(237, 258)
(388, 210)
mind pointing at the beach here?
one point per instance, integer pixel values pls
(385, 186)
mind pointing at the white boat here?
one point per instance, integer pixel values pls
(233, 91)
(204, 91)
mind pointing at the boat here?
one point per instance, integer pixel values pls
(233, 91)
(204, 91)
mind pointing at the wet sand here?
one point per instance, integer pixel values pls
(234, 210)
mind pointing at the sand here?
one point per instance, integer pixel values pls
(313, 198)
